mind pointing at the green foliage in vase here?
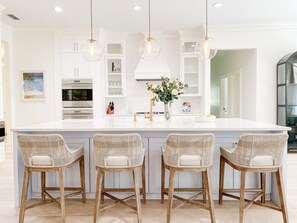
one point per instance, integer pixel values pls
(167, 91)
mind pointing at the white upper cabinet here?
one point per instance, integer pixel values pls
(115, 69)
(75, 66)
(72, 65)
(190, 68)
(72, 44)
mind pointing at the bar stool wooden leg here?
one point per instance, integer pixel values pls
(100, 176)
(204, 187)
(263, 186)
(280, 187)
(162, 179)
(170, 194)
(62, 195)
(43, 186)
(102, 188)
(24, 195)
(242, 188)
(137, 195)
(207, 174)
(82, 179)
(143, 182)
(222, 173)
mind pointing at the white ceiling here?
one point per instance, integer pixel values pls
(118, 15)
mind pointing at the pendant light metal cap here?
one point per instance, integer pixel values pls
(149, 48)
(91, 50)
(205, 48)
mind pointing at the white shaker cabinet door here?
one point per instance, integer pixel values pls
(74, 66)
(68, 66)
(83, 67)
(155, 145)
(229, 172)
(73, 174)
(72, 43)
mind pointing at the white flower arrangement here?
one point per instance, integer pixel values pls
(167, 91)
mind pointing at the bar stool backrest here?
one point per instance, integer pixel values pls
(119, 150)
(260, 145)
(199, 145)
(50, 148)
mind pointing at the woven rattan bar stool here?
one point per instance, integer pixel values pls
(47, 153)
(117, 153)
(260, 153)
(188, 153)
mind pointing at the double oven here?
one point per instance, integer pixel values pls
(77, 98)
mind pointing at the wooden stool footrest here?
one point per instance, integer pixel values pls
(184, 190)
(190, 201)
(122, 201)
(65, 189)
(39, 204)
(253, 201)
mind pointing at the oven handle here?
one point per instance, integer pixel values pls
(70, 87)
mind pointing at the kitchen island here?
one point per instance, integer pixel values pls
(80, 132)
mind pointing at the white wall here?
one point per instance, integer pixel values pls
(272, 43)
(33, 50)
(230, 61)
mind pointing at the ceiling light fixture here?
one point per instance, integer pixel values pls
(91, 50)
(136, 7)
(205, 47)
(58, 9)
(149, 48)
(217, 4)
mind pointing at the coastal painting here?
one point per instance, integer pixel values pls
(33, 85)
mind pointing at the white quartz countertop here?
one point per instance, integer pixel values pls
(177, 123)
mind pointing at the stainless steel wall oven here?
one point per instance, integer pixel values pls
(76, 95)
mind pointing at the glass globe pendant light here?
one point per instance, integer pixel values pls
(91, 49)
(149, 48)
(205, 47)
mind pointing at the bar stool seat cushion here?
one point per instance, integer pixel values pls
(259, 160)
(189, 160)
(117, 161)
(262, 161)
(41, 160)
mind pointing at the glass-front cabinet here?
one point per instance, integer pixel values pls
(287, 96)
(190, 73)
(115, 69)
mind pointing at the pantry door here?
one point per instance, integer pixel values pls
(230, 95)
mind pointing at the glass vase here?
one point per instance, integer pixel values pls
(167, 110)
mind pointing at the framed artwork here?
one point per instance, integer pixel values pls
(33, 85)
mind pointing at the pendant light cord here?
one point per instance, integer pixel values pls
(206, 21)
(91, 4)
(149, 19)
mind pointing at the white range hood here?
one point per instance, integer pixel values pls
(152, 69)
